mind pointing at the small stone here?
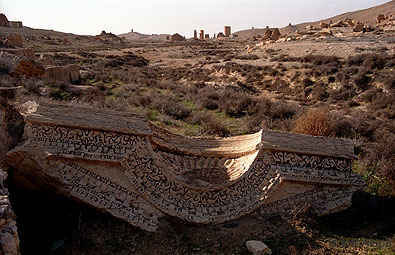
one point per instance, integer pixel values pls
(258, 248)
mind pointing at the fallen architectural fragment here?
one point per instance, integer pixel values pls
(119, 163)
(16, 65)
(14, 40)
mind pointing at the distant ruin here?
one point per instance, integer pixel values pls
(4, 22)
(227, 31)
(201, 35)
(16, 24)
(177, 38)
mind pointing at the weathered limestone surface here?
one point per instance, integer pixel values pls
(121, 164)
(9, 241)
(258, 248)
(69, 73)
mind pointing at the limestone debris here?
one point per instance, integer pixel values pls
(258, 248)
(324, 25)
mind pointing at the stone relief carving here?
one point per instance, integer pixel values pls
(123, 165)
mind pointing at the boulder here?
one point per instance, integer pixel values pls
(275, 34)
(304, 32)
(326, 32)
(267, 34)
(258, 248)
(324, 25)
(16, 65)
(14, 40)
(368, 28)
(380, 18)
(349, 22)
(340, 23)
(358, 27)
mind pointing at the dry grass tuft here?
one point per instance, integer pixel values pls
(315, 122)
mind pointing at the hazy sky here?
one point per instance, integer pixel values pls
(171, 16)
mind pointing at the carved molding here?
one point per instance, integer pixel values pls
(141, 173)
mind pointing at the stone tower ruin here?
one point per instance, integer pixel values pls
(201, 35)
(227, 31)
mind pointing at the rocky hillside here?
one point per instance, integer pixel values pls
(366, 16)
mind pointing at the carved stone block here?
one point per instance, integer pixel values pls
(121, 164)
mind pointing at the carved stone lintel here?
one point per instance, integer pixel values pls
(121, 164)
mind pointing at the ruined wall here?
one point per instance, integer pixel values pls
(16, 24)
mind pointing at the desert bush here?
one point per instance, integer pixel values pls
(319, 60)
(247, 57)
(62, 91)
(34, 85)
(388, 81)
(342, 126)
(364, 125)
(315, 122)
(128, 59)
(235, 104)
(208, 98)
(319, 92)
(168, 105)
(361, 80)
(370, 61)
(211, 126)
(282, 110)
(376, 164)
